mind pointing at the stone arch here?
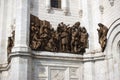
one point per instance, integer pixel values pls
(112, 50)
(113, 33)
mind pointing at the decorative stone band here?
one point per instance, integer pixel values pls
(62, 56)
(4, 67)
(58, 56)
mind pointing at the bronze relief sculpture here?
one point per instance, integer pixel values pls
(102, 34)
(66, 39)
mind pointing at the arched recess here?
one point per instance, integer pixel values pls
(112, 51)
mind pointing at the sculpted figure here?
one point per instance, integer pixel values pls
(10, 42)
(75, 34)
(51, 45)
(83, 40)
(84, 37)
(45, 38)
(36, 41)
(102, 33)
(64, 39)
(32, 29)
(76, 26)
(10, 45)
(74, 41)
(60, 27)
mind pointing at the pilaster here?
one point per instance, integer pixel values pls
(80, 9)
(21, 43)
(20, 56)
(65, 6)
(48, 6)
(1, 21)
(89, 72)
(3, 31)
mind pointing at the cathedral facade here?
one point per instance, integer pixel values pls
(59, 40)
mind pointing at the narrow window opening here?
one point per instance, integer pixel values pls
(56, 3)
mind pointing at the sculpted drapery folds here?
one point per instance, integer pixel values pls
(102, 34)
(65, 39)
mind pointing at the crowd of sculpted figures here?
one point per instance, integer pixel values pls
(71, 39)
(66, 38)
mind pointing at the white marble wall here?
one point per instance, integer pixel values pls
(93, 65)
(100, 70)
(56, 16)
(46, 65)
(87, 12)
(111, 13)
(3, 31)
(57, 67)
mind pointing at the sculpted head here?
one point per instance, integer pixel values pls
(100, 25)
(77, 23)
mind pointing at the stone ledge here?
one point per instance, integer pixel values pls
(60, 56)
(4, 67)
(21, 49)
(68, 56)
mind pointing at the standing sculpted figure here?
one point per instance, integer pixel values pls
(45, 34)
(102, 33)
(10, 42)
(83, 40)
(51, 45)
(75, 37)
(11, 38)
(64, 39)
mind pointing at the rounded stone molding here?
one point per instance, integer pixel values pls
(112, 49)
(113, 36)
(113, 26)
